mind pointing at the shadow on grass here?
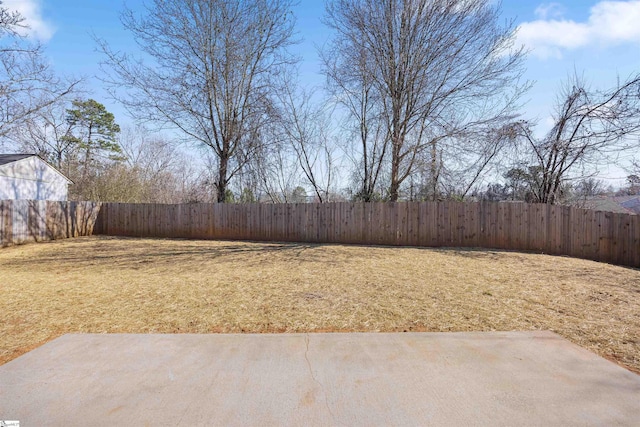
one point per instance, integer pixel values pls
(132, 252)
(478, 253)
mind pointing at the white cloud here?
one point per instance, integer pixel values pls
(550, 10)
(610, 23)
(39, 29)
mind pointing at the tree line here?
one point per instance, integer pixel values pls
(421, 101)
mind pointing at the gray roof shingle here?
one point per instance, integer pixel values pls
(10, 158)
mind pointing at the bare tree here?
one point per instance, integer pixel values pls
(633, 185)
(210, 71)
(439, 67)
(591, 128)
(633, 179)
(351, 84)
(47, 133)
(304, 127)
(27, 83)
(155, 162)
(275, 172)
(468, 159)
(588, 187)
(272, 170)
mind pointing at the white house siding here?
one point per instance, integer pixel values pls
(32, 179)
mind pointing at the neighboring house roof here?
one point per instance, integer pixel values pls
(606, 204)
(11, 158)
(632, 203)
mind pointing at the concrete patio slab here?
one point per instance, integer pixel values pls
(510, 378)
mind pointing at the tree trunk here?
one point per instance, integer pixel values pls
(394, 189)
(395, 184)
(221, 185)
(434, 172)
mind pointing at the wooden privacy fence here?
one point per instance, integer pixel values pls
(24, 221)
(558, 230)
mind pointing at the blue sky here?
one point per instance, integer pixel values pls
(600, 39)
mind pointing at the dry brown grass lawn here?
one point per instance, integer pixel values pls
(108, 285)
